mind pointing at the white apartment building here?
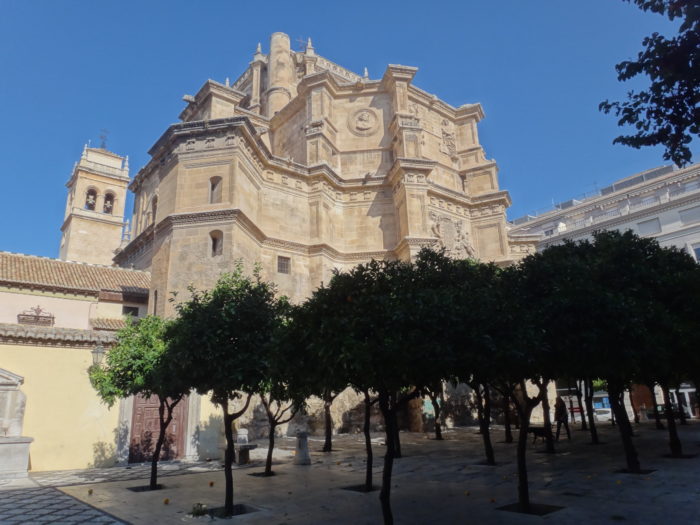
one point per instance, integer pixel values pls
(663, 203)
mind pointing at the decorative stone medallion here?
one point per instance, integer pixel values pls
(363, 122)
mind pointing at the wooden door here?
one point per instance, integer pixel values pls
(145, 426)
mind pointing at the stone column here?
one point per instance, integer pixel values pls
(280, 70)
(409, 180)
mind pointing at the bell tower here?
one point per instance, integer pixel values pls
(94, 219)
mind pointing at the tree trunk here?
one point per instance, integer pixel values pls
(389, 413)
(483, 412)
(571, 406)
(634, 409)
(623, 424)
(368, 444)
(681, 407)
(548, 436)
(159, 445)
(397, 438)
(479, 407)
(582, 410)
(524, 411)
(588, 386)
(673, 439)
(506, 417)
(270, 447)
(328, 443)
(486, 429)
(436, 409)
(229, 456)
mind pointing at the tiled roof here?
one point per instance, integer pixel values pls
(52, 336)
(42, 272)
(107, 324)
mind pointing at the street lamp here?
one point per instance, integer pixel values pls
(97, 354)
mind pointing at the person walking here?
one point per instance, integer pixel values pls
(561, 416)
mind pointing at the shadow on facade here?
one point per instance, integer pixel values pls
(105, 454)
(209, 438)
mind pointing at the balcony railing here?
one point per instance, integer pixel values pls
(623, 209)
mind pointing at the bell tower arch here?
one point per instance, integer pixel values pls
(94, 218)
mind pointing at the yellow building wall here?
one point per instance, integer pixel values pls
(71, 427)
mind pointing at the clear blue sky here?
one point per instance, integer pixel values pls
(539, 68)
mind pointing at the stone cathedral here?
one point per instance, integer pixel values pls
(300, 166)
(303, 166)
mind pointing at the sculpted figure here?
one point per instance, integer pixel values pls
(435, 225)
(364, 121)
(462, 242)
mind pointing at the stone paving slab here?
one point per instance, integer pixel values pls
(62, 478)
(48, 505)
(436, 482)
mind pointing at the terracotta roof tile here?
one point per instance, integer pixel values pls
(42, 272)
(51, 335)
(107, 324)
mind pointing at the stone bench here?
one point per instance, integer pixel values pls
(243, 452)
(242, 447)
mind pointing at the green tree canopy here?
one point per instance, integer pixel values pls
(668, 112)
(220, 340)
(139, 365)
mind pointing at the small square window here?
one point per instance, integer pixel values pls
(130, 310)
(690, 216)
(284, 264)
(649, 227)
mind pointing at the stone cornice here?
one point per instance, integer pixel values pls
(95, 216)
(442, 107)
(402, 166)
(208, 89)
(137, 245)
(492, 197)
(244, 222)
(257, 152)
(399, 73)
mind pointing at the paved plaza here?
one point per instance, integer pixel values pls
(436, 482)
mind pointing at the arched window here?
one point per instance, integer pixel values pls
(215, 190)
(90, 199)
(154, 209)
(109, 203)
(217, 242)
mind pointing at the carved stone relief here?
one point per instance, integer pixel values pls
(448, 145)
(452, 235)
(363, 122)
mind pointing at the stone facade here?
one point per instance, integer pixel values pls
(304, 167)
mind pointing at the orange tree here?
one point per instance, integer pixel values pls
(218, 339)
(139, 365)
(377, 328)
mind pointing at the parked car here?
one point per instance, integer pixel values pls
(662, 411)
(603, 414)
